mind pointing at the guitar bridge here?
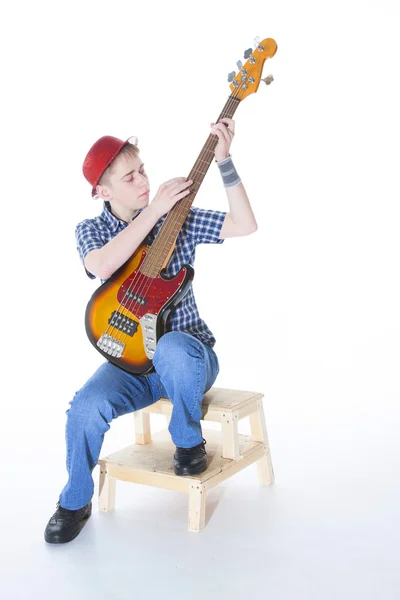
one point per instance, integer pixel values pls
(110, 345)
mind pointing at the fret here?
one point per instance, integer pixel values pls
(208, 150)
(173, 223)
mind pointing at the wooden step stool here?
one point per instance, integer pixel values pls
(150, 459)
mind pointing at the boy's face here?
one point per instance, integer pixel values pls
(128, 182)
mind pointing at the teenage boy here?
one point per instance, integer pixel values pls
(185, 363)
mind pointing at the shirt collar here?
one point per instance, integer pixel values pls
(111, 220)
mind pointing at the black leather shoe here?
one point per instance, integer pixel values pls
(190, 461)
(65, 524)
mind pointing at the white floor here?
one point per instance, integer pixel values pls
(328, 528)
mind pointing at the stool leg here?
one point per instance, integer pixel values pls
(259, 434)
(230, 436)
(142, 427)
(106, 489)
(197, 507)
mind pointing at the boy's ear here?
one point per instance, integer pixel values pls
(103, 191)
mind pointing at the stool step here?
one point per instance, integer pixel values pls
(216, 402)
(152, 464)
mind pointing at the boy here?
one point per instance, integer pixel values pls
(185, 363)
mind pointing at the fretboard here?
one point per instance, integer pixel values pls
(172, 225)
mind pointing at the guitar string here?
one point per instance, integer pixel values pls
(130, 306)
(230, 104)
(139, 292)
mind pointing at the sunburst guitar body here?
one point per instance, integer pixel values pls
(127, 314)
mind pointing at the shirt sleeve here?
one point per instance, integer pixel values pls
(205, 225)
(87, 239)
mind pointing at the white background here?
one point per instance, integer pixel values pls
(305, 310)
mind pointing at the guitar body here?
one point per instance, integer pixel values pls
(127, 314)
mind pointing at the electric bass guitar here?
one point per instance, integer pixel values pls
(127, 314)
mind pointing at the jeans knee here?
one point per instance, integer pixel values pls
(90, 410)
(177, 348)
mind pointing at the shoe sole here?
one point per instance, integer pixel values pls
(185, 471)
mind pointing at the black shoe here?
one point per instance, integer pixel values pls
(65, 524)
(190, 461)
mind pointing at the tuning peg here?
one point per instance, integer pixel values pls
(267, 80)
(247, 53)
(239, 64)
(256, 41)
(231, 76)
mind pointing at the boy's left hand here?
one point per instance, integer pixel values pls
(225, 130)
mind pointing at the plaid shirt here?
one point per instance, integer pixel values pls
(200, 227)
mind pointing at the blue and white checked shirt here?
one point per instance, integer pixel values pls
(201, 226)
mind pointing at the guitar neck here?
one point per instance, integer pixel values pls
(169, 231)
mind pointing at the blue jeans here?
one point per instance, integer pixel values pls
(185, 369)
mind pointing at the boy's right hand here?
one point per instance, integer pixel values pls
(169, 193)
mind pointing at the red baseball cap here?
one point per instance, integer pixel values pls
(100, 155)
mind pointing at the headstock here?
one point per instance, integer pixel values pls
(248, 79)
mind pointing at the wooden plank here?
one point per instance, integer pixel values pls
(181, 483)
(230, 436)
(265, 470)
(106, 500)
(215, 401)
(259, 434)
(142, 427)
(152, 464)
(247, 459)
(247, 410)
(164, 407)
(197, 507)
(151, 478)
(224, 398)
